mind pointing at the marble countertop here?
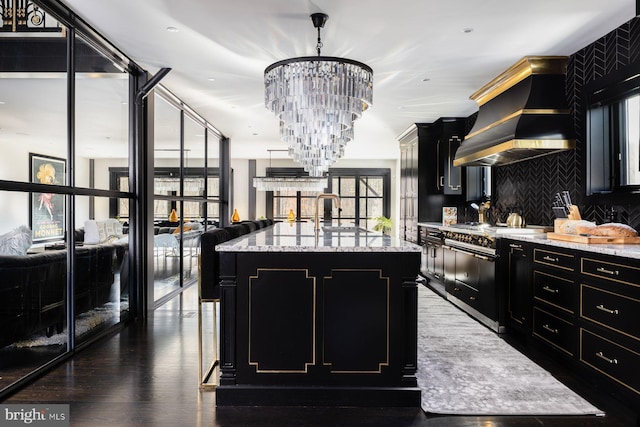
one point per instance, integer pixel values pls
(629, 251)
(301, 237)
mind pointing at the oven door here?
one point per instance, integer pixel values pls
(473, 284)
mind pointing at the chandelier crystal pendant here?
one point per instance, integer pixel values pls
(317, 99)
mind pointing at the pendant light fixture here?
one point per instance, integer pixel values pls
(317, 99)
(289, 183)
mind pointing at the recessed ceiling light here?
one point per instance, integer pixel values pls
(467, 30)
(212, 79)
(172, 29)
(1, 102)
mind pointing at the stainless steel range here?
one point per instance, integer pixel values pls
(470, 270)
(471, 262)
(473, 240)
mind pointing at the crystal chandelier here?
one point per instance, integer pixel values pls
(317, 99)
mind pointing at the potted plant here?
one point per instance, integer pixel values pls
(383, 224)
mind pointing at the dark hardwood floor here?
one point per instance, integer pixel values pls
(146, 375)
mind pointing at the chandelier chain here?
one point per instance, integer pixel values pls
(319, 45)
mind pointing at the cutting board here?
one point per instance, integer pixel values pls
(577, 238)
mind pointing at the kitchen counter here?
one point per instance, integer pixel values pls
(326, 319)
(301, 237)
(628, 251)
(536, 234)
(489, 230)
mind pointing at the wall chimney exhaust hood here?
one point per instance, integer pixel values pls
(523, 113)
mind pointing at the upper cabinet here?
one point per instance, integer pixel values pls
(441, 140)
(428, 177)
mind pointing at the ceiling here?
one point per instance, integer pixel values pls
(428, 56)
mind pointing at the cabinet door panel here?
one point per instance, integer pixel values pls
(616, 271)
(553, 258)
(610, 359)
(558, 332)
(519, 279)
(555, 290)
(452, 174)
(614, 311)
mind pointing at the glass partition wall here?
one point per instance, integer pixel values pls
(186, 192)
(67, 199)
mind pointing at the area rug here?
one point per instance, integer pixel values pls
(107, 314)
(465, 368)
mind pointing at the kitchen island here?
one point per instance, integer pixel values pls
(318, 318)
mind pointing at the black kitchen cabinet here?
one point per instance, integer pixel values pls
(442, 138)
(582, 307)
(409, 166)
(428, 179)
(555, 299)
(432, 253)
(517, 272)
(609, 312)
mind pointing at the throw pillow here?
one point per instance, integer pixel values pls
(91, 234)
(109, 228)
(16, 242)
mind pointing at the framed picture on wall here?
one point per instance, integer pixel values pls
(47, 210)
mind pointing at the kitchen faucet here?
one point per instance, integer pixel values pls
(336, 200)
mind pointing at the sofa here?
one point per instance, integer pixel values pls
(33, 287)
(209, 282)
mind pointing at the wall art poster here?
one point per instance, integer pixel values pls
(47, 209)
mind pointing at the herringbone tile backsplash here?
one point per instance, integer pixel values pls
(530, 186)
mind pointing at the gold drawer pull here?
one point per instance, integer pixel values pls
(472, 298)
(610, 272)
(456, 289)
(605, 358)
(607, 310)
(548, 289)
(514, 246)
(550, 329)
(548, 258)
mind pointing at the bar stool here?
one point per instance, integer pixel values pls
(209, 292)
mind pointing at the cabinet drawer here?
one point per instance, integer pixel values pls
(465, 293)
(555, 331)
(615, 361)
(611, 310)
(554, 259)
(610, 271)
(554, 290)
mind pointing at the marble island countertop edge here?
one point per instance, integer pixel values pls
(283, 237)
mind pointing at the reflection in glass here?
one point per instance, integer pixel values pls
(32, 293)
(631, 144)
(101, 268)
(33, 121)
(102, 117)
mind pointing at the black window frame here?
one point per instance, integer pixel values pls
(357, 173)
(607, 95)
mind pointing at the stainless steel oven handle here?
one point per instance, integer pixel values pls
(468, 253)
